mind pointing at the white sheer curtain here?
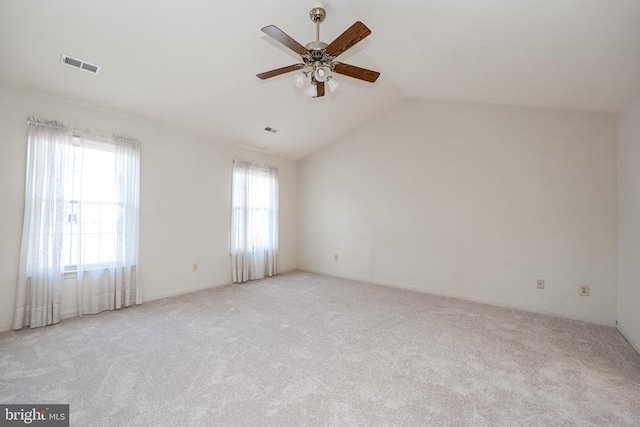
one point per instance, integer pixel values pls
(254, 222)
(108, 223)
(41, 267)
(82, 204)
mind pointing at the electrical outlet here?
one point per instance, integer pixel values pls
(336, 257)
(584, 290)
(540, 284)
(194, 267)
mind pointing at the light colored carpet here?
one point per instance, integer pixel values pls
(303, 348)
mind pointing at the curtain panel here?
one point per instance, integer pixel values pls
(109, 219)
(41, 271)
(254, 222)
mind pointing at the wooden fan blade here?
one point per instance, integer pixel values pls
(320, 87)
(348, 39)
(283, 38)
(356, 72)
(278, 71)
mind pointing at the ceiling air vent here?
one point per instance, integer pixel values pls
(78, 63)
(270, 129)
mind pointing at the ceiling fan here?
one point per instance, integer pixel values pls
(318, 58)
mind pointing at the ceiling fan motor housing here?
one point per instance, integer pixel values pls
(316, 54)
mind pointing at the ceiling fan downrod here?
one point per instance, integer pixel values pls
(317, 15)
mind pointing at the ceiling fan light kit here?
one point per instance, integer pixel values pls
(299, 80)
(320, 74)
(312, 91)
(318, 58)
(333, 84)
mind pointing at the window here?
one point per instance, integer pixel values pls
(81, 214)
(258, 206)
(91, 207)
(101, 199)
(254, 224)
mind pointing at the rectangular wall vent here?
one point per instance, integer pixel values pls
(78, 63)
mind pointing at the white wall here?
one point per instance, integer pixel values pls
(185, 198)
(629, 223)
(470, 200)
(460, 199)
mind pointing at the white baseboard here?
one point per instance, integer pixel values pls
(74, 313)
(598, 321)
(605, 322)
(183, 291)
(634, 343)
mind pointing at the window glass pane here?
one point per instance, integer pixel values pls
(91, 211)
(66, 250)
(253, 209)
(98, 179)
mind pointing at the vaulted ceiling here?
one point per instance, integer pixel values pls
(192, 63)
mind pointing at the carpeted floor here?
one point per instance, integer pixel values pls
(302, 348)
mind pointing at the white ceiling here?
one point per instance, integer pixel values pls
(192, 63)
